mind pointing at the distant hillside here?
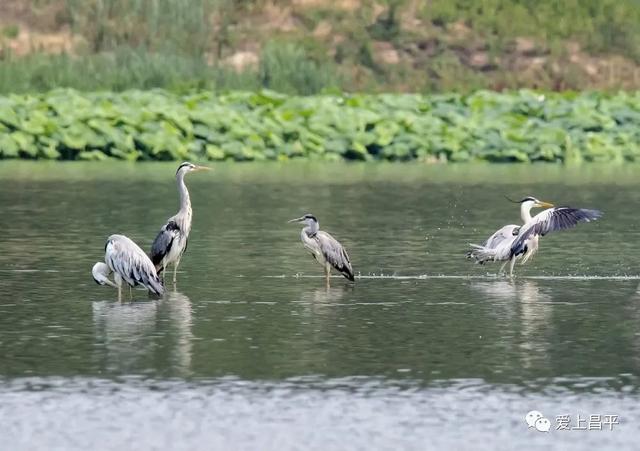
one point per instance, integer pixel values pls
(304, 46)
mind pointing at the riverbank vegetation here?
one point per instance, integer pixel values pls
(521, 126)
(307, 46)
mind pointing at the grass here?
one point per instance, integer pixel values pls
(173, 26)
(285, 69)
(601, 25)
(178, 44)
(11, 31)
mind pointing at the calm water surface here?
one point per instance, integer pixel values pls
(251, 351)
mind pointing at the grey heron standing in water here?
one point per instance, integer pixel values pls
(512, 242)
(324, 248)
(129, 263)
(171, 241)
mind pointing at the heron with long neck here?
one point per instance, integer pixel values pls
(324, 248)
(512, 242)
(171, 242)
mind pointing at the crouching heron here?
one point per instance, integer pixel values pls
(324, 248)
(129, 263)
(171, 242)
(512, 242)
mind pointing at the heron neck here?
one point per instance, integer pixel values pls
(525, 213)
(311, 229)
(185, 200)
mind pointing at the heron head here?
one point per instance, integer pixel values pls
(186, 167)
(307, 219)
(100, 273)
(532, 202)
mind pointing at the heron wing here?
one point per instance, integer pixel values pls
(497, 247)
(505, 233)
(126, 258)
(163, 242)
(335, 254)
(550, 220)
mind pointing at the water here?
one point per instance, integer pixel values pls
(251, 351)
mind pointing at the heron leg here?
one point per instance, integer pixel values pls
(502, 267)
(118, 283)
(175, 269)
(327, 275)
(513, 262)
(130, 293)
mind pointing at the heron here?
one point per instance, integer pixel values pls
(512, 241)
(324, 248)
(171, 242)
(129, 263)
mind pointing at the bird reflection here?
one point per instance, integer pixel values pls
(125, 331)
(535, 314)
(324, 295)
(526, 312)
(632, 313)
(178, 310)
(500, 289)
(320, 300)
(148, 336)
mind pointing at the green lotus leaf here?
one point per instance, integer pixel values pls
(9, 148)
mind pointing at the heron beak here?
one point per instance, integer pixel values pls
(202, 168)
(544, 205)
(296, 220)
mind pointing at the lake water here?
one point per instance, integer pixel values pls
(251, 351)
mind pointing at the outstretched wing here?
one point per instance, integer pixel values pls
(125, 258)
(163, 242)
(550, 220)
(335, 254)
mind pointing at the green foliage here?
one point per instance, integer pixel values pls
(600, 25)
(11, 31)
(117, 71)
(169, 26)
(521, 126)
(287, 67)
(306, 47)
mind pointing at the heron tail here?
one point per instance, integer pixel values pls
(155, 286)
(481, 254)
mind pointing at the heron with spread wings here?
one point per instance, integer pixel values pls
(512, 241)
(324, 248)
(171, 242)
(129, 264)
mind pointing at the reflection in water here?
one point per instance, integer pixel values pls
(528, 309)
(501, 289)
(632, 313)
(322, 300)
(324, 295)
(136, 335)
(178, 310)
(123, 330)
(319, 314)
(535, 315)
